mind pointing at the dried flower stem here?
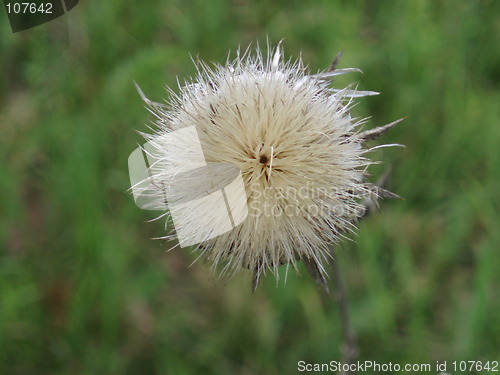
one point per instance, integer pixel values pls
(349, 348)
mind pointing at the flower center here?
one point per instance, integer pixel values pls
(263, 159)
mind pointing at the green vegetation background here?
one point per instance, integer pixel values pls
(84, 289)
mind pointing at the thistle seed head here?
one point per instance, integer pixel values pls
(299, 151)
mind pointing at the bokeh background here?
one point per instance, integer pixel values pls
(85, 290)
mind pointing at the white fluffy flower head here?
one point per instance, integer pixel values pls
(300, 154)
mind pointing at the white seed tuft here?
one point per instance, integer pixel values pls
(299, 151)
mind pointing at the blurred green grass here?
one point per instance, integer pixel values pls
(85, 291)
